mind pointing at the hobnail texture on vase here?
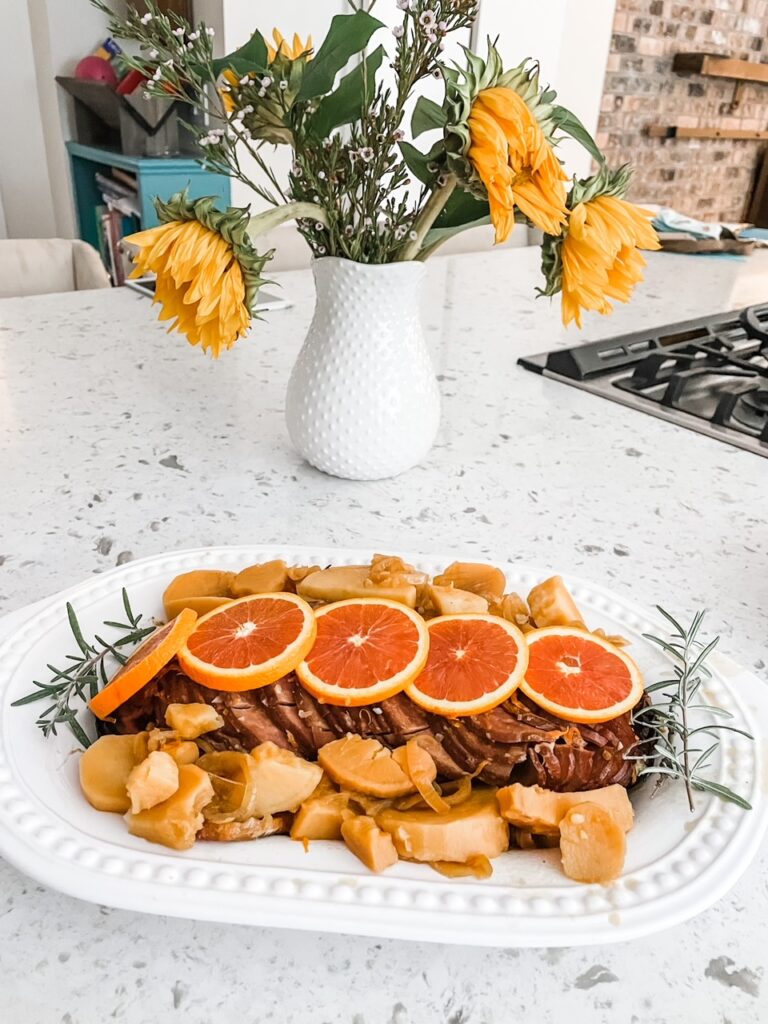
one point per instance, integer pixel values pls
(363, 402)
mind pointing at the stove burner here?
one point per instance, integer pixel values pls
(709, 374)
(758, 401)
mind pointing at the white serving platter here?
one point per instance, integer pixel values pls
(677, 863)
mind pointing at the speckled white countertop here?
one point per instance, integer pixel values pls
(118, 441)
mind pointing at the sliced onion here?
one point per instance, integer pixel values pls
(422, 772)
(462, 792)
(233, 776)
(476, 867)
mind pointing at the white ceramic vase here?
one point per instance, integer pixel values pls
(362, 401)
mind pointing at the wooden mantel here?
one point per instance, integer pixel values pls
(720, 67)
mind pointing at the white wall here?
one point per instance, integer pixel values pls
(570, 39)
(39, 40)
(42, 38)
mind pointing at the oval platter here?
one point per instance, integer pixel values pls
(677, 863)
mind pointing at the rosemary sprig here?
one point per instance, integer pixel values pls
(85, 675)
(680, 749)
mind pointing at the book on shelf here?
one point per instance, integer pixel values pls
(118, 195)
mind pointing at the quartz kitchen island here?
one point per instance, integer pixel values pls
(117, 441)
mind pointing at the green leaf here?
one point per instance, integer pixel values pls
(252, 56)
(348, 34)
(350, 99)
(461, 210)
(427, 115)
(571, 125)
(436, 236)
(418, 162)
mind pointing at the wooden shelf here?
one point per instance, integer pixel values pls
(673, 131)
(721, 67)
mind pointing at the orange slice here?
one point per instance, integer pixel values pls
(144, 664)
(249, 643)
(579, 676)
(366, 649)
(475, 662)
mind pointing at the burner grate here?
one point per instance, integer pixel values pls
(709, 374)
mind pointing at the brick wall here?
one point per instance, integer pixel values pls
(702, 177)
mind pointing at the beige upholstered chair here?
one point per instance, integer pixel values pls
(36, 266)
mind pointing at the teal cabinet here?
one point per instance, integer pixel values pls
(154, 176)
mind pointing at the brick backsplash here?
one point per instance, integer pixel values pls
(709, 178)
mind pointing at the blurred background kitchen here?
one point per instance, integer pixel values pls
(680, 89)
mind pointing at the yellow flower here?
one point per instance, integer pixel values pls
(226, 96)
(292, 51)
(515, 162)
(600, 254)
(199, 282)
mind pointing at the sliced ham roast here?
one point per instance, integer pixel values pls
(516, 742)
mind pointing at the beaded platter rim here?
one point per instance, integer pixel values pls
(690, 876)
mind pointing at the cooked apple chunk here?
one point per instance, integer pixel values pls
(105, 767)
(477, 577)
(342, 582)
(551, 604)
(192, 720)
(452, 601)
(538, 810)
(321, 817)
(176, 821)
(152, 781)
(283, 781)
(592, 844)
(265, 578)
(368, 843)
(202, 590)
(472, 829)
(364, 766)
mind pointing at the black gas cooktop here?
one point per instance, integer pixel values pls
(709, 374)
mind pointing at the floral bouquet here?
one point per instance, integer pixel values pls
(360, 188)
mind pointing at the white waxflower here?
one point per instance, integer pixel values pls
(211, 32)
(404, 5)
(266, 81)
(366, 154)
(398, 31)
(146, 18)
(398, 134)
(412, 235)
(194, 35)
(244, 80)
(178, 32)
(427, 19)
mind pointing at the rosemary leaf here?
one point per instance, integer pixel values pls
(671, 736)
(88, 671)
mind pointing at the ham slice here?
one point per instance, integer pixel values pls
(516, 742)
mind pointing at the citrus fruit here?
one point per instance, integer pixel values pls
(579, 676)
(475, 662)
(366, 649)
(248, 643)
(145, 662)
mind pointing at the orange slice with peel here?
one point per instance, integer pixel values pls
(144, 664)
(367, 649)
(248, 643)
(475, 662)
(579, 676)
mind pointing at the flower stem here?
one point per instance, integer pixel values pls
(427, 218)
(270, 219)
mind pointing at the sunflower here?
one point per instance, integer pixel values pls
(499, 142)
(598, 257)
(207, 272)
(515, 163)
(292, 51)
(263, 99)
